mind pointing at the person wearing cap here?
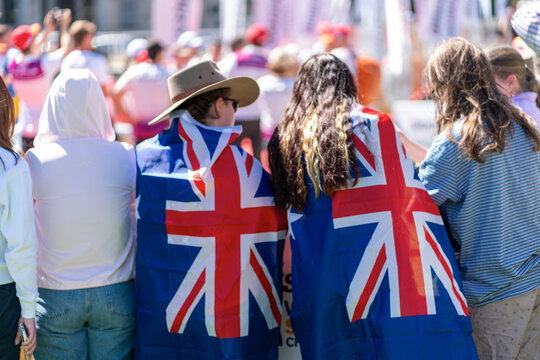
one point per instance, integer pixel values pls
(335, 38)
(83, 55)
(185, 51)
(141, 93)
(83, 186)
(251, 61)
(209, 238)
(33, 71)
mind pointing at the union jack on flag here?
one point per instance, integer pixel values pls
(380, 280)
(220, 240)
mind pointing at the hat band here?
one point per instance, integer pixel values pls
(185, 94)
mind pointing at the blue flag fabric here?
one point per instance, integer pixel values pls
(373, 273)
(209, 252)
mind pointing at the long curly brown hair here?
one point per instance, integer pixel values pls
(463, 87)
(315, 135)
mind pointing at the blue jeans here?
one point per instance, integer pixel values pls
(10, 310)
(93, 323)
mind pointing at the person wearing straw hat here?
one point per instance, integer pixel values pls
(207, 225)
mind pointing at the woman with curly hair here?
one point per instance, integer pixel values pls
(483, 171)
(364, 232)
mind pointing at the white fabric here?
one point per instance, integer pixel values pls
(83, 186)
(17, 231)
(84, 59)
(230, 68)
(146, 89)
(75, 108)
(275, 95)
(32, 90)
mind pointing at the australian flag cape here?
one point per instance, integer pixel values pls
(373, 273)
(209, 252)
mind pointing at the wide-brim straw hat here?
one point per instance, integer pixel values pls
(202, 78)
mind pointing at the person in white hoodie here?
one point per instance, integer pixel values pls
(18, 286)
(83, 187)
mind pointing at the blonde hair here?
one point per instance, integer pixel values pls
(315, 135)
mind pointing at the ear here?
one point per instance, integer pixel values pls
(513, 84)
(218, 107)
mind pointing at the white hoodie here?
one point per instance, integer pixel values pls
(83, 186)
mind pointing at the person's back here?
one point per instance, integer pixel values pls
(368, 244)
(482, 171)
(83, 189)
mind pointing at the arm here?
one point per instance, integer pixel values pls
(416, 151)
(18, 228)
(65, 21)
(117, 100)
(442, 171)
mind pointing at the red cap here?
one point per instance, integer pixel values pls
(256, 34)
(141, 56)
(22, 37)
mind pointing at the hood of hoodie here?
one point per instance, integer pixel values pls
(75, 108)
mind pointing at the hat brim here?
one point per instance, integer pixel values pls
(243, 89)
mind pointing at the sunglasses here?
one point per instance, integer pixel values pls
(234, 102)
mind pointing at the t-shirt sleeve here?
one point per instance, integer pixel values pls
(440, 170)
(101, 70)
(124, 80)
(526, 23)
(51, 62)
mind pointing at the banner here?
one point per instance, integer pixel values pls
(232, 17)
(289, 348)
(170, 18)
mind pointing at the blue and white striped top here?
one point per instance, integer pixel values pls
(492, 211)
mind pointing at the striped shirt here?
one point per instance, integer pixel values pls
(526, 23)
(492, 211)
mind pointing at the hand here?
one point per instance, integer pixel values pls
(65, 19)
(48, 22)
(29, 345)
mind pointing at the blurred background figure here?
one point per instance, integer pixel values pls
(185, 50)
(141, 93)
(136, 51)
(5, 37)
(32, 71)
(335, 39)
(250, 61)
(515, 79)
(83, 56)
(276, 90)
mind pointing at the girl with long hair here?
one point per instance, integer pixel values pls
(353, 199)
(483, 171)
(515, 79)
(18, 278)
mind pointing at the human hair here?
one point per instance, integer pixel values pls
(315, 134)
(79, 29)
(463, 87)
(199, 106)
(279, 61)
(507, 61)
(7, 120)
(153, 48)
